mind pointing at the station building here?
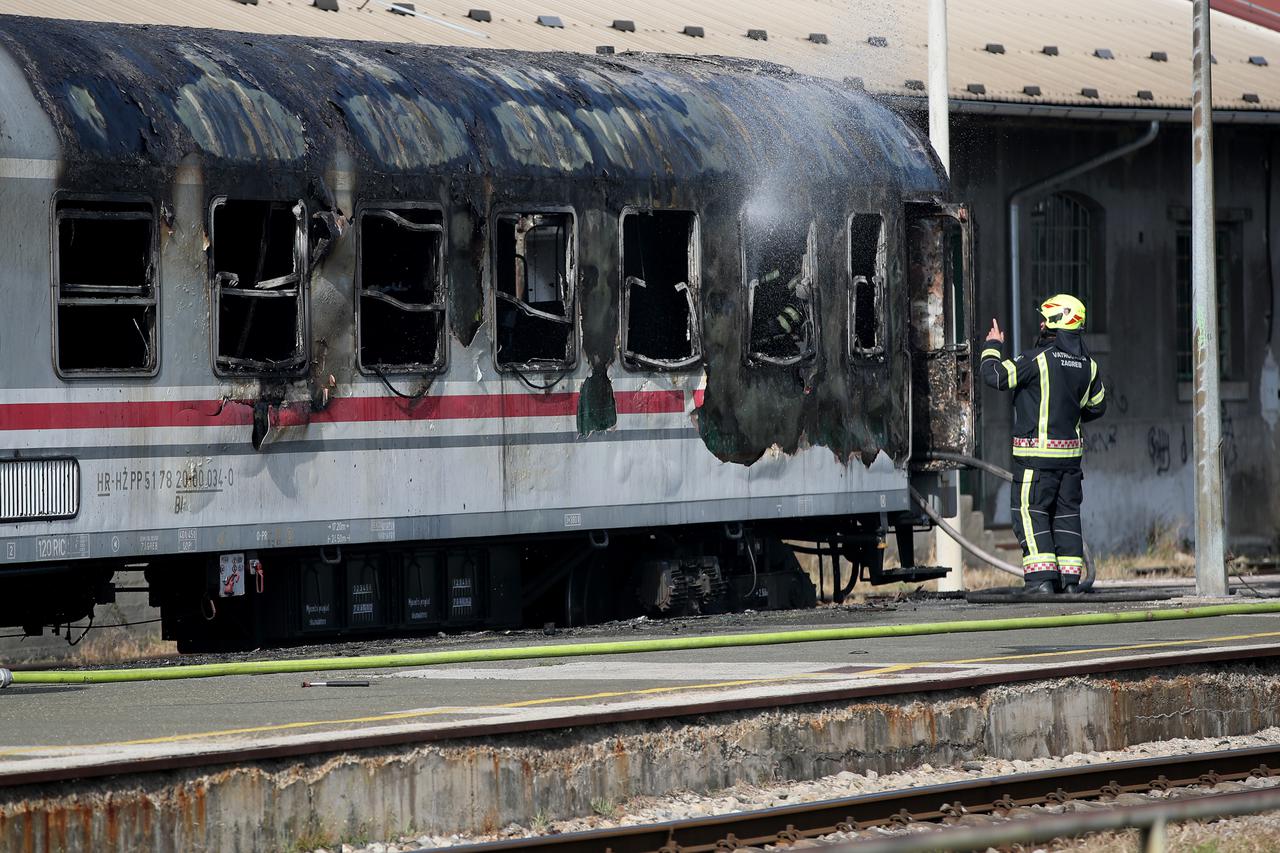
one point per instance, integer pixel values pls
(1035, 89)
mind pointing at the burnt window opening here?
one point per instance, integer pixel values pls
(104, 278)
(778, 257)
(534, 270)
(937, 269)
(401, 312)
(866, 299)
(659, 289)
(258, 258)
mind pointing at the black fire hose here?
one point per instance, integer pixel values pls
(1090, 571)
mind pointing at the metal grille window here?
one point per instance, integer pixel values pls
(1066, 246)
(401, 309)
(1228, 275)
(258, 267)
(104, 280)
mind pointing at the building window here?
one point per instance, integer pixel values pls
(659, 289)
(104, 279)
(1066, 253)
(866, 297)
(778, 256)
(258, 261)
(534, 271)
(1229, 274)
(400, 312)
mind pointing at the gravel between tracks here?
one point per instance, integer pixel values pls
(640, 810)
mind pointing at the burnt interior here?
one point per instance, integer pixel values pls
(257, 260)
(401, 315)
(942, 383)
(781, 321)
(532, 275)
(106, 293)
(658, 279)
(868, 281)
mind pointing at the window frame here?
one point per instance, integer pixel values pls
(61, 198)
(302, 258)
(810, 259)
(635, 362)
(571, 283)
(878, 352)
(1096, 263)
(441, 305)
(1230, 310)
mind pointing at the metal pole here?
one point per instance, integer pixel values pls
(1211, 570)
(946, 550)
(939, 89)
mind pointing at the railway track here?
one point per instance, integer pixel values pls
(997, 796)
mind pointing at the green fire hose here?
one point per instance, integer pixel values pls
(719, 641)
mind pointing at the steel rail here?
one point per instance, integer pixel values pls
(1152, 818)
(992, 795)
(363, 740)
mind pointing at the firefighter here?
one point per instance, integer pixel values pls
(1056, 387)
(780, 327)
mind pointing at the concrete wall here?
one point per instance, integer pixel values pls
(1139, 473)
(483, 784)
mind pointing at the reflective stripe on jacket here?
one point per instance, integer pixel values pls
(1056, 387)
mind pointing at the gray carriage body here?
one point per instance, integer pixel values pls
(192, 455)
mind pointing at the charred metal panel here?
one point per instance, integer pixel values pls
(938, 246)
(264, 117)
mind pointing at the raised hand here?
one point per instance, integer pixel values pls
(995, 334)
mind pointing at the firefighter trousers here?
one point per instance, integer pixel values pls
(1045, 506)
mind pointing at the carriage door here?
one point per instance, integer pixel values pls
(939, 276)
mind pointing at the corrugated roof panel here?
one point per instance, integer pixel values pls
(1132, 30)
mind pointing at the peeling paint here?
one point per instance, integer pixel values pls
(472, 130)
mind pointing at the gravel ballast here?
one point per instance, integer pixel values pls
(1244, 834)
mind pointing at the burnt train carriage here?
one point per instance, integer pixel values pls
(338, 336)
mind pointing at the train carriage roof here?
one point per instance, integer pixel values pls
(153, 96)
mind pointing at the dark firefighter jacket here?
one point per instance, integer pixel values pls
(1056, 387)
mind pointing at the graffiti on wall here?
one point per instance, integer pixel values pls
(1158, 449)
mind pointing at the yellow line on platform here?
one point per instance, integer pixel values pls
(647, 691)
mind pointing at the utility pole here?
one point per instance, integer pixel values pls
(939, 88)
(946, 550)
(1206, 405)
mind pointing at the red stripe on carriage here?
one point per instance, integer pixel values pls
(203, 413)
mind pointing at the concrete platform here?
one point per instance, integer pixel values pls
(258, 763)
(44, 727)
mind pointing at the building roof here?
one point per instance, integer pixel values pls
(1107, 51)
